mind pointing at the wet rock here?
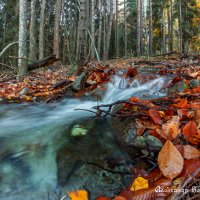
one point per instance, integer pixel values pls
(78, 84)
(194, 83)
(178, 87)
(139, 142)
(74, 158)
(23, 91)
(153, 142)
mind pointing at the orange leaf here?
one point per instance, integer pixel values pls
(78, 195)
(170, 160)
(196, 90)
(181, 104)
(155, 116)
(171, 129)
(190, 152)
(189, 130)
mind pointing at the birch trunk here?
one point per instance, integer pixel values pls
(22, 51)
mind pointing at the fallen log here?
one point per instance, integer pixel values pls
(43, 62)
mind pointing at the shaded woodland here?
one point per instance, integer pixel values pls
(74, 30)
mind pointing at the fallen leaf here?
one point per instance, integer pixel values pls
(103, 198)
(190, 166)
(170, 130)
(78, 195)
(189, 152)
(157, 191)
(155, 116)
(182, 103)
(170, 161)
(139, 183)
(190, 130)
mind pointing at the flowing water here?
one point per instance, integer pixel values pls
(33, 139)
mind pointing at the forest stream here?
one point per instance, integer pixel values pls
(41, 158)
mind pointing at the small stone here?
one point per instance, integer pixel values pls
(139, 142)
(194, 83)
(129, 136)
(153, 142)
(23, 91)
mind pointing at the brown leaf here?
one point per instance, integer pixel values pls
(170, 160)
(171, 129)
(155, 116)
(190, 152)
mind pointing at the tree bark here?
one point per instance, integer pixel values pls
(180, 26)
(100, 28)
(22, 52)
(150, 29)
(108, 35)
(57, 29)
(43, 62)
(92, 30)
(138, 47)
(125, 29)
(163, 31)
(32, 46)
(116, 30)
(41, 30)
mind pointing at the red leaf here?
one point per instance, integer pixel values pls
(103, 198)
(190, 130)
(132, 72)
(190, 166)
(155, 116)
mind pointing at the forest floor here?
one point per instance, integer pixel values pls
(169, 126)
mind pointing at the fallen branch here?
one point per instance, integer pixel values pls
(7, 47)
(43, 62)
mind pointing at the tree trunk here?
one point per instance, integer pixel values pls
(80, 49)
(109, 30)
(32, 47)
(163, 31)
(141, 27)
(125, 29)
(180, 26)
(138, 48)
(92, 30)
(56, 29)
(100, 28)
(116, 31)
(41, 30)
(150, 29)
(22, 52)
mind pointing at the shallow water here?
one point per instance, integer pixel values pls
(39, 159)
